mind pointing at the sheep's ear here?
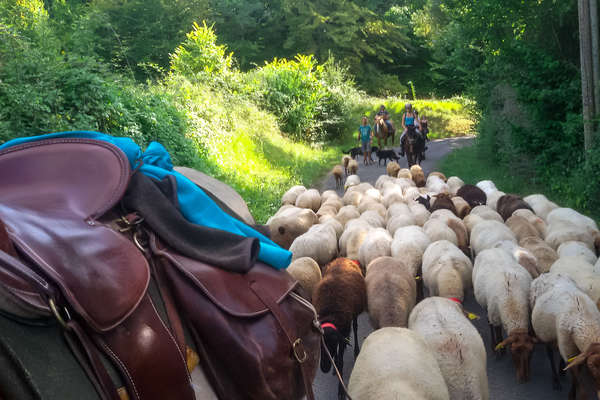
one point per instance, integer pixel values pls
(574, 361)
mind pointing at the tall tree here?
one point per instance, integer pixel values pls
(587, 72)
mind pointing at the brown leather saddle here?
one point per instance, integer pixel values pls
(75, 255)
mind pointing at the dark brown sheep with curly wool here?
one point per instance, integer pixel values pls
(339, 298)
(509, 203)
(472, 195)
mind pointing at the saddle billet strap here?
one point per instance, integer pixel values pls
(156, 264)
(146, 353)
(297, 347)
(88, 357)
(18, 268)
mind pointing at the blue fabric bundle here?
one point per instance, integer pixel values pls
(195, 205)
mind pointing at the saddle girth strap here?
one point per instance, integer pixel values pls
(297, 347)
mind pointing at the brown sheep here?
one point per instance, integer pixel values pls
(546, 255)
(443, 201)
(393, 168)
(345, 161)
(521, 227)
(438, 174)
(472, 195)
(417, 175)
(462, 207)
(352, 167)
(339, 298)
(509, 203)
(339, 179)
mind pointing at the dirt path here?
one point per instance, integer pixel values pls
(501, 374)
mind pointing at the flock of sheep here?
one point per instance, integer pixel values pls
(531, 264)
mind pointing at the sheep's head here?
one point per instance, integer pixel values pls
(592, 359)
(425, 200)
(332, 338)
(521, 349)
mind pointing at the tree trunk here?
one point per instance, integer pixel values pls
(595, 60)
(587, 75)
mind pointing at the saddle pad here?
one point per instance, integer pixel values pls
(51, 194)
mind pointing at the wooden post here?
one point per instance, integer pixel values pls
(587, 74)
(595, 60)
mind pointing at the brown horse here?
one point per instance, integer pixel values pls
(382, 131)
(414, 145)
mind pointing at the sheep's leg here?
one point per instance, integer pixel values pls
(420, 294)
(340, 365)
(577, 388)
(493, 341)
(499, 338)
(561, 367)
(355, 328)
(555, 381)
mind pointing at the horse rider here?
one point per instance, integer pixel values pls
(409, 118)
(386, 116)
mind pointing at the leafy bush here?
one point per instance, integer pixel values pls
(310, 100)
(200, 54)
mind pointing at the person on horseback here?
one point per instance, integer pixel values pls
(365, 136)
(409, 118)
(386, 116)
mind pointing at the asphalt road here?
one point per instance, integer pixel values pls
(501, 374)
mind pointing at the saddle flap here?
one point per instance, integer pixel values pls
(51, 194)
(230, 291)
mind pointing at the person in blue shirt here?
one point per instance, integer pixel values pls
(410, 118)
(365, 136)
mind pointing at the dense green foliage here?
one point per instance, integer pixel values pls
(292, 72)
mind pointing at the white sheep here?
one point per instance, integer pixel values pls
(419, 212)
(566, 224)
(319, 243)
(396, 363)
(351, 180)
(377, 244)
(486, 186)
(455, 183)
(540, 204)
(462, 207)
(446, 270)
(522, 256)
(400, 220)
(382, 180)
(335, 224)
(456, 345)
(410, 194)
(372, 205)
(391, 292)
(437, 230)
(454, 223)
(392, 194)
(289, 223)
(408, 245)
(563, 314)
(493, 197)
(292, 194)
(574, 248)
(307, 272)
(584, 274)
(329, 194)
(351, 240)
(373, 218)
(502, 288)
(405, 173)
(486, 234)
(486, 212)
(435, 184)
(347, 213)
(310, 199)
(352, 198)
